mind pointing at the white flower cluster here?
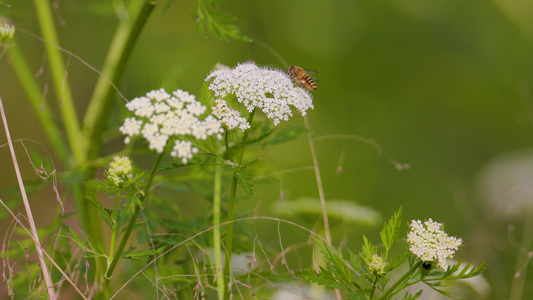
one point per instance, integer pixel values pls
(118, 167)
(159, 116)
(7, 32)
(377, 265)
(271, 91)
(429, 243)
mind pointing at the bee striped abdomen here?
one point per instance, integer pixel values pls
(298, 75)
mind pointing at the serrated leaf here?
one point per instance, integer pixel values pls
(215, 22)
(243, 179)
(389, 233)
(367, 250)
(408, 296)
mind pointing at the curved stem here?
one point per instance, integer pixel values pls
(231, 207)
(391, 291)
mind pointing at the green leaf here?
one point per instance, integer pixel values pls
(86, 246)
(367, 250)
(244, 178)
(104, 212)
(215, 22)
(408, 296)
(389, 233)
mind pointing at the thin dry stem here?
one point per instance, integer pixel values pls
(65, 276)
(320, 191)
(35, 237)
(318, 182)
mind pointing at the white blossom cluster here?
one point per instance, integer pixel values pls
(159, 116)
(429, 243)
(7, 32)
(271, 91)
(118, 167)
(377, 265)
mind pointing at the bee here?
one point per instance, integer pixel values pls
(298, 75)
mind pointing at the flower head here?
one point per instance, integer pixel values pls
(271, 91)
(7, 32)
(377, 265)
(429, 243)
(120, 166)
(159, 116)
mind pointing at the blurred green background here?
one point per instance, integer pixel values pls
(444, 86)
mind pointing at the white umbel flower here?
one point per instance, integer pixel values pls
(269, 90)
(7, 32)
(119, 167)
(159, 116)
(429, 243)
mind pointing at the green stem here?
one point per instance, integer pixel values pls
(391, 291)
(226, 143)
(101, 102)
(89, 215)
(231, 207)
(114, 231)
(131, 224)
(100, 105)
(60, 81)
(45, 116)
(216, 231)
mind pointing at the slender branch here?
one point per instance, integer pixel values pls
(61, 85)
(320, 191)
(35, 236)
(318, 181)
(231, 206)
(114, 231)
(50, 126)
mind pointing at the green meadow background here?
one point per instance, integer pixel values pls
(443, 86)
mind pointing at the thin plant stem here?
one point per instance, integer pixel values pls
(231, 206)
(44, 267)
(45, 116)
(119, 52)
(89, 215)
(60, 81)
(318, 181)
(216, 230)
(320, 191)
(114, 231)
(102, 99)
(131, 224)
(391, 291)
